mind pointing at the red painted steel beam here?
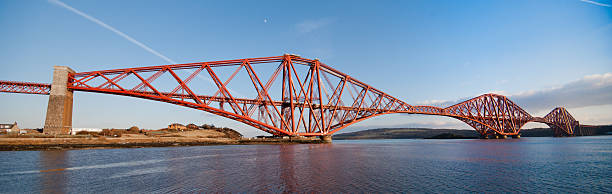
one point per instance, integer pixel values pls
(24, 87)
(296, 96)
(302, 97)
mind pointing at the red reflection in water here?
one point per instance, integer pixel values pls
(53, 163)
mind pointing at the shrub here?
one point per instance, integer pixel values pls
(111, 132)
(94, 134)
(206, 126)
(134, 129)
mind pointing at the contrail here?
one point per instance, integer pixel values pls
(595, 3)
(136, 42)
(90, 18)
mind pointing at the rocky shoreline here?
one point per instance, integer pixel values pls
(37, 144)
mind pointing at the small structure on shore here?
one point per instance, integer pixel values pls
(177, 126)
(9, 128)
(74, 131)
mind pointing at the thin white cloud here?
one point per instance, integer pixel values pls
(595, 3)
(432, 102)
(129, 38)
(591, 90)
(312, 25)
(588, 100)
(90, 18)
(500, 82)
(407, 121)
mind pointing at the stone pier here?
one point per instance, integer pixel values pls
(59, 109)
(326, 138)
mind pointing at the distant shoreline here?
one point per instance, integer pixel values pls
(206, 138)
(427, 133)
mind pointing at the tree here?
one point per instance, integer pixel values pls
(134, 129)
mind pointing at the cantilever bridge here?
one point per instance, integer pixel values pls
(281, 95)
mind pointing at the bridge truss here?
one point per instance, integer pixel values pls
(24, 87)
(289, 95)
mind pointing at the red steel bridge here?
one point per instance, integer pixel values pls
(290, 95)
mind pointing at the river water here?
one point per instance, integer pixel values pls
(538, 165)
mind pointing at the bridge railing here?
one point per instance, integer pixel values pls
(25, 87)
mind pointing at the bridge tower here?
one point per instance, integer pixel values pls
(59, 108)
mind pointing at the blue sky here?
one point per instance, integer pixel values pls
(423, 52)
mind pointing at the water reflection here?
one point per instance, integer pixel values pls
(287, 168)
(219, 173)
(319, 161)
(529, 165)
(262, 174)
(53, 165)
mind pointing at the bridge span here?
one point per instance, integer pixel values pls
(283, 95)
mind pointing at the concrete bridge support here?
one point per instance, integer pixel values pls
(326, 138)
(59, 109)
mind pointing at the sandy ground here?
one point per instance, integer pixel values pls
(191, 136)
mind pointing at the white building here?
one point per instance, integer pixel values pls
(9, 128)
(76, 130)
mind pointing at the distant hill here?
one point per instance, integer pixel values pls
(421, 133)
(403, 133)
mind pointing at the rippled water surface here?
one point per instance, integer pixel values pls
(550, 165)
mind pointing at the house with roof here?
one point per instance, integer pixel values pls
(9, 128)
(177, 126)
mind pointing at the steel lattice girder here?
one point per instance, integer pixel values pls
(24, 87)
(491, 114)
(314, 99)
(291, 96)
(561, 122)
